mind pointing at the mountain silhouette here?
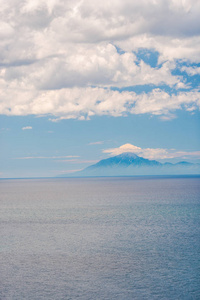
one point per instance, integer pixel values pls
(130, 164)
(124, 160)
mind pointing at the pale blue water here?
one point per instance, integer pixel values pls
(100, 238)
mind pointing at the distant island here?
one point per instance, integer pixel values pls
(130, 164)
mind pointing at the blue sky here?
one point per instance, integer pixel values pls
(82, 81)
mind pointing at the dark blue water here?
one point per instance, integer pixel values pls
(117, 238)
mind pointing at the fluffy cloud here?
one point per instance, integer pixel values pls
(62, 57)
(83, 103)
(49, 26)
(150, 153)
(191, 70)
(94, 65)
(161, 103)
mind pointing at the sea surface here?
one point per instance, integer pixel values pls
(100, 238)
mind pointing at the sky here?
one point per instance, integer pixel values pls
(83, 80)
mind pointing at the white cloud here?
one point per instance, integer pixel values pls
(51, 25)
(152, 153)
(159, 102)
(97, 65)
(83, 103)
(6, 30)
(27, 128)
(54, 51)
(96, 143)
(191, 70)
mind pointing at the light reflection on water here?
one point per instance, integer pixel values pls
(100, 238)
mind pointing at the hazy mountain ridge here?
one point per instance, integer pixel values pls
(125, 160)
(130, 164)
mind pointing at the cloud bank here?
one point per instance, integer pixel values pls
(83, 103)
(63, 58)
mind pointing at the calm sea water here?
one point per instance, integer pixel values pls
(105, 238)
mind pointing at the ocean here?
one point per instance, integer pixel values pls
(100, 238)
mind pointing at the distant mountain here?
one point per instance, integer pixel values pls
(124, 160)
(129, 164)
